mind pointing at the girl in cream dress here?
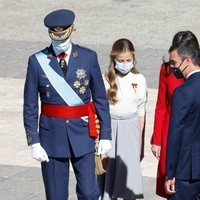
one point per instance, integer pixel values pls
(127, 94)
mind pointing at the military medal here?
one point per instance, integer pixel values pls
(134, 85)
(76, 84)
(80, 73)
(82, 90)
(82, 82)
(62, 63)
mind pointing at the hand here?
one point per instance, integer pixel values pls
(170, 186)
(97, 124)
(103, 147)
(156, 150)
(39, 153)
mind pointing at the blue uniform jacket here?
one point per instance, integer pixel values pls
(65, 137)
(183, 149)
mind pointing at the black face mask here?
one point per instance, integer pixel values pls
(176, 70)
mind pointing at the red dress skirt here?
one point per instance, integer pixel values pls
(167, 83)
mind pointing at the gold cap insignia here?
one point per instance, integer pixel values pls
(59, 33)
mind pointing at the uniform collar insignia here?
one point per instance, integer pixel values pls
(50, 53)
(75, 54)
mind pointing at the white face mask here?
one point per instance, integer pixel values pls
(124, 68)
(61, 46)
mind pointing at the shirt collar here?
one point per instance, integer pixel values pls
(68, 52)
(193, 72)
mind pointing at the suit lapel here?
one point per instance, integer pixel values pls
(73, 61)
(54, 62)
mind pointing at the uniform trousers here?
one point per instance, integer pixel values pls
(56, 178)
(186, 190)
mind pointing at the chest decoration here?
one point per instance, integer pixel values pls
(134, 85)
(81, 82)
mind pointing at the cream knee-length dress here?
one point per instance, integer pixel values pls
(124, 178)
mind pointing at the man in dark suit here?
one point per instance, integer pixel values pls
(68, 79)
(183, 150)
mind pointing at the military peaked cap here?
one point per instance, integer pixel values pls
(60, 23)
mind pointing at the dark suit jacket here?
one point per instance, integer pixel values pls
(183, 149)
(58, 136)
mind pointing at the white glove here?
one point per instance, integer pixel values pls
(39, 153)
(104, 147)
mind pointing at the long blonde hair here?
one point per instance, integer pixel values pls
(120, 46)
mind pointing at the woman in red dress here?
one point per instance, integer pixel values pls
(167, 83)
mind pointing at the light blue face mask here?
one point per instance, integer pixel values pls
(60, 46)
(124, 68)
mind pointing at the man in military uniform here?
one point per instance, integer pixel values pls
(68, 79)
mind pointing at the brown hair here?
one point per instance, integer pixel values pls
(120, 46)
(186, 44)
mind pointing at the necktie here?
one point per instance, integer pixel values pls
(62, 62)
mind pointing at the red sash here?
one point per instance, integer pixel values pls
(63, 111)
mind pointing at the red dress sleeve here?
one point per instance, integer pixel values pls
(161, 107)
